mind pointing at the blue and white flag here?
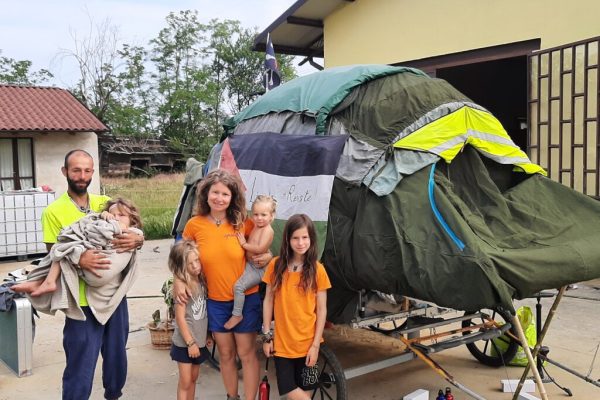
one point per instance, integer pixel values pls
(296, 170)
(272, 76)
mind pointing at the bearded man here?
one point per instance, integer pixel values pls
(84, 340)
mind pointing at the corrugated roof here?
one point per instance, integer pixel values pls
(30, 108)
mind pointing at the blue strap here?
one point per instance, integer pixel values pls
(438, 215)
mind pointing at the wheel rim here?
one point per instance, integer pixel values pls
(327, 383)
(332, 382)
(490, 352)
(389, 326)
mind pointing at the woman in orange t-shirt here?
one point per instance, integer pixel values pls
(297, 296)
(219, 213)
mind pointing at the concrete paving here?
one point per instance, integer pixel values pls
(573, 339)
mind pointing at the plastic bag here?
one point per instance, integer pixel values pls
(525, 316)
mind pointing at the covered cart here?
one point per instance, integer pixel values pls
(415, 190)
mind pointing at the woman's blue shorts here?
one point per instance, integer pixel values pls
(219, 313)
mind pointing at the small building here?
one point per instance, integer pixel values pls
(38, 126)
(137, 156)
(534, 64)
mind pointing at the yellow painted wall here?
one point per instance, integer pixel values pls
(390, 31)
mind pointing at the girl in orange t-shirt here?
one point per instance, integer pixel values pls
(296, 296)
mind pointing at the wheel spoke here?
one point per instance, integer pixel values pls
(314, 393)
(485, 346)
(324, 366)
(500, 354)
(324, 392)
(502, 348)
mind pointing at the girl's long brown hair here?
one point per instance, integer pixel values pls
(178, 264)
(127, 207)
(236, 212)
(309, 268)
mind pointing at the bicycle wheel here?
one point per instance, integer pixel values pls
(332, 382)
(492, 352)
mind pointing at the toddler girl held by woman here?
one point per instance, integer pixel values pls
(190, 336)
(296, 296)
(259, 241)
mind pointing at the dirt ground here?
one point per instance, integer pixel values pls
(573, 339)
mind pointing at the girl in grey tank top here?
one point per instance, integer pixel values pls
(190, 336)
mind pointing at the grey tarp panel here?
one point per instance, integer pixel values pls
(517, 238)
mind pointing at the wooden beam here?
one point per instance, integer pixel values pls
(317, 23)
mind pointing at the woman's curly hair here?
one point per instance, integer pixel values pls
(236, 212)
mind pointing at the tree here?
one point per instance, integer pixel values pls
(204, 73)
(180, 87)
(113, 80)
(16, 72)
(184, 82)
(241, 67)
(97, 58)
(129, 111)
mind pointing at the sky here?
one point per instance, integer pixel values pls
(41, 30)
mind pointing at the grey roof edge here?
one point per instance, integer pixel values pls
(262, 37)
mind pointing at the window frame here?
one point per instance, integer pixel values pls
(16, 178)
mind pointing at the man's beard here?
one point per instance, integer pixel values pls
(77, 189)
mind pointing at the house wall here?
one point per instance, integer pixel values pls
(49, 152)
(390, 31)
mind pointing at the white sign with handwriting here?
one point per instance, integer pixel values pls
(305, 194)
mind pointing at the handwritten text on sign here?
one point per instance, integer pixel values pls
(306, 194)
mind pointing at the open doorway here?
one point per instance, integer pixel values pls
(494, 77)
(500, 86)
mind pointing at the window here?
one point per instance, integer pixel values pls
(16, 164)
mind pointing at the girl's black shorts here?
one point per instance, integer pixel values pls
(293, 373)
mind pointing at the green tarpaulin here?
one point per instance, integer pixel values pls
(452, 220)
(518, 239)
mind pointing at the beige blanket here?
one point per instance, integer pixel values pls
(103, 294)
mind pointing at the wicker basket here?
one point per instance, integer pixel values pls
(161, 337)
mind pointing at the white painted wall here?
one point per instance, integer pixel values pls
(49, 151)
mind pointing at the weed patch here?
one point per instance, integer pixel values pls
(156, 197)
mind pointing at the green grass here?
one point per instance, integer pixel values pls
(157, 199)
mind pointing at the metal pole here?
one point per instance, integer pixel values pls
(438, 368)
(538, 326)
(569, 370)
(536, 349)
